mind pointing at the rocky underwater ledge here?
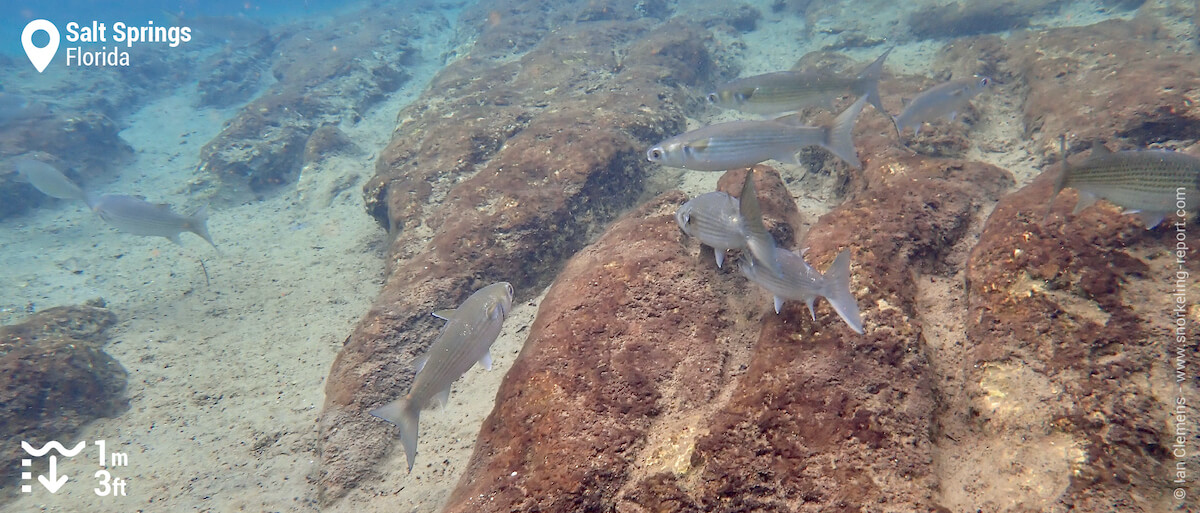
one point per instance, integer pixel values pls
(1008, 364)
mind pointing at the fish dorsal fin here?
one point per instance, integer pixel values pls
(420, 363)
(444, 314)
(1100, 150)
(778, 304)
(486, 361)
(792, 119)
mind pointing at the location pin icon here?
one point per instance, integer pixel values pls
(40, 57)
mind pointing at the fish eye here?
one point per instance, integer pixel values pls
(713, 98)
(654, 155)
(984, 82)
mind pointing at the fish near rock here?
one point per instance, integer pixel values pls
(739, 144)
(131, 214)
(723, 222)
(799, 281)
(469, 332)
(48, 179)
(787, 91)
(1148, 183)
(942, 100)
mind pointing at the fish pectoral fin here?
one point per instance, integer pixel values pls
(175, 238)
(811, 302)
(1086, 199)
(420, 363)
(1151, 219)
(444, 314)
(778, 304)
(443, 397)
(486, 361)
(953, 114)
(720, 254)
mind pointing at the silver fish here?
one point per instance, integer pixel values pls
(469, 332)
(137, 216)
(1145, 182)
(942, 100)
(739, 144)
(787, 91)
(799, 281)
(48, 179)
(723, 223)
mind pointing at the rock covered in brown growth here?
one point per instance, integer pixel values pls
(826, 420)
(1115, 79)
(54, 377)
(501, 171)
(632, 346)
(323, 76)
(326, 141)
(821, 419)
(1070, 318)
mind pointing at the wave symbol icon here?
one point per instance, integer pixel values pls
(37, 453)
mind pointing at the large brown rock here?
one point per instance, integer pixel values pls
(502, 170)
(1070, 320)
(55, 377)
(594, 418)
(323, 76)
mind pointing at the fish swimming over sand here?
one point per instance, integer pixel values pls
(788, 91)
(739, 144)
(799, 281)
(942, 100)
(723, 223)
(134, 215)
(469, 332)
(1149, 183)
(48, 179)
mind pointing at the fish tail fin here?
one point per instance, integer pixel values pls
(839, 138)
(837, 291)
(405, 415)
(762, 244)
(868, 82)
(1060, 182)
(198, 224)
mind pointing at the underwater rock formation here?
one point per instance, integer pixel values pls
(322, 77)
(487, 161)
(1069, 319)
(703, 420)
(54, 377)
(83, 145)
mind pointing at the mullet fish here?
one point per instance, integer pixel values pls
(469, 332)
(799, 281)
(48, 179)
(1148, 183)
(787, 91)
(942, 100)
(134, 215)
(723, 223)
(739, 144)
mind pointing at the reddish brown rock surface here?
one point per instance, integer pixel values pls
(766, 439)
(1079, 307)
(496, 176)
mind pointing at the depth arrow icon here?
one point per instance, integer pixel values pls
(55, 481)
